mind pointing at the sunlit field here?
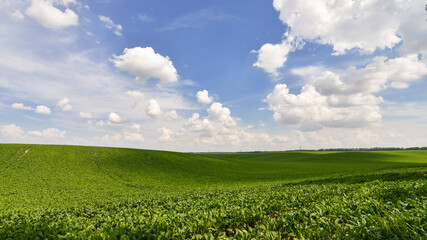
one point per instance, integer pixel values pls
(92, 192)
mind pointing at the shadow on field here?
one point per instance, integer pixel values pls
(410, 174)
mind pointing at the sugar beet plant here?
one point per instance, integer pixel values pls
(106, 196)
(370, 210)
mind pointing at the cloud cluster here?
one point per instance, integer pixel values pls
(48, 133)
(218, 127)
(153, 110)
(346, 25)
(45, 13)
(13, 132)
(128, 135)
(40, 109)
(348, 100)
(144, 63)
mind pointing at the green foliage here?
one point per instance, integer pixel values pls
(70, 192)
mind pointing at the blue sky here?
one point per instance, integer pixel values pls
(214, 75)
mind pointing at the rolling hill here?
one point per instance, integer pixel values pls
(130, 190)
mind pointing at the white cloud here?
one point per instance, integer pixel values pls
(218, 112)
(48, 133)
(49, 16)
(135, 94)
(166, 134)
(348, 24)
(203, 97)
(133, 134)
(128, 135)
(171, 116)
(271, 57)
(146, 64)
(196, 124)
(153, 109)
(100, 123)
(115, 118)
(134, 137)
(11, 131)
(331, 100)
(314, 110)
(41, 109)
(108, 23)
(112, 139)
(85, 115)
(21, 106)
(413, 28)
(64, 104)
(136, 128)
(218, 128)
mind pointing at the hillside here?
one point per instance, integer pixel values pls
(45, 179)
(67, 174)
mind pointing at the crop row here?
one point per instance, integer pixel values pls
(370, 210)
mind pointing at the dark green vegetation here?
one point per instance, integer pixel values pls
(91, 192)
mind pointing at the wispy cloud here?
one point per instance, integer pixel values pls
(197, 19)
(145, 18)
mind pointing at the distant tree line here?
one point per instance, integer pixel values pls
(346, 149)
(373, 149)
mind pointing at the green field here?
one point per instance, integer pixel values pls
(49, 192)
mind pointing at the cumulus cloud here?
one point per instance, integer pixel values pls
(217, 128)
(171, 115)
(100, 123)
(112, 139)
(271, 57)
(313, 109)
(413, 29)
(85, 115)
(196, 124)
(133, 134)
(203, 97)
(48, 133)
(45, 13)
(115, 118)
(135, 94)
(219, 113)
(64, 104)
(346, 25)
(166, 134)
(21, 106)
(41, 109)
(347, 100)
(146, 64)
(153, 109)
(271, 140)
(11, 131)
(133, 137)
(108, 23)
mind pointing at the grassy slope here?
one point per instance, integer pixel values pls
(110, 193)
(69, 175)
